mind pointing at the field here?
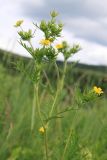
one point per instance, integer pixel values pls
(87, 125)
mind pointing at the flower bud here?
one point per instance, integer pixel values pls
(43, 25)
(18, 23)
(54, 14)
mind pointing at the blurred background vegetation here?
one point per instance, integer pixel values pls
(89, 135)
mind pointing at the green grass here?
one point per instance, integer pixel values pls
(17, 142)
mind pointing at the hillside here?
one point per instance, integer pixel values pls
(80, 72)
(8, 56)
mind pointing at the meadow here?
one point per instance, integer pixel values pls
(88, 140)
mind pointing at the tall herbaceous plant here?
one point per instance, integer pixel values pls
(47, 54)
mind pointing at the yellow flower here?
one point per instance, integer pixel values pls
(18, 23)
(85, 152)
(42, 129)
(45, 42)
(59, 46)
(97, 90)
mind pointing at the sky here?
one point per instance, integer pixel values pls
(85, 23)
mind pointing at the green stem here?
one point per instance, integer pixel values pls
(68, 139)
(57, 71)
(57, 92)
(21, 28)
(47, 80)
(67, 143)
(54, 103)
(31, 45)
(60, 84)
(63, 76)
(46, 145)
(36, 104)
(42, 122)
(33, 111)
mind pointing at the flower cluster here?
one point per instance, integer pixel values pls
(67, 50)
(26, 35)
(88, 95)
(42, 130)
(18, 23)
(59, 46)
(98, 90)
(48, 51)
(45, 42)
(51, 29)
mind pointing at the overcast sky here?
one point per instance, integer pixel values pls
(85, 22)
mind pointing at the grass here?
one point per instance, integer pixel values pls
(88, 140)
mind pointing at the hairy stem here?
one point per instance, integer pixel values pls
(69, 136)
(60, 84)
(33, 111)
(67, 143)
(42, 122)
(36, 104)
(46, 144)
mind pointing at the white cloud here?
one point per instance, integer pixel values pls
(88, 29)
(91, 53)
(90, 33)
